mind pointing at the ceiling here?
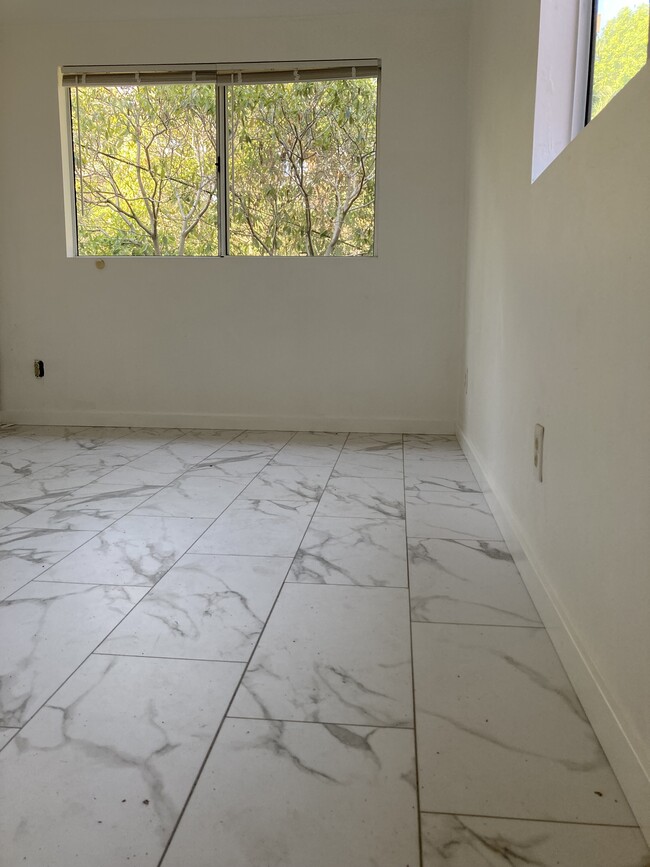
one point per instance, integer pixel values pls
(124, 10)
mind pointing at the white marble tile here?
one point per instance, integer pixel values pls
(501, 731)
(58, 451)
(21, 466)
(17, 443)
(272, 440)
(6, 735)
(332, 654)
(300, 795)
(374, 443)
(193, 497)
(218, 438)
(311, 449)
(429, 447)
(174, 458)
(461, 581)
(206, 607)
(136, 550)
(107, 764)
(9, 516)
(93, 507)
(161, 435)
(46, 631)
(468, 841)
(362, 498)
(127, 474)
(19, 500)
(68, 478)
(288, 483)
(227, 464)
(30, 495)
(258, 527)
(26, 554)
(449, 516)
(365, 551)
(436, 476)
(97, 436)
(372, 464)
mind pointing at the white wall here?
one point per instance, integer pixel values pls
(557, 316)
(299, 343)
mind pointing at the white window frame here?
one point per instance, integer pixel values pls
(220, 76)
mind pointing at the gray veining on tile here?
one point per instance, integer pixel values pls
(92, 507)
(6, 735)
(229, 464)
(218, 438)
(298, 795)
(374, 443)
(365, 551)
(429, 447)
(23, 498)
(315, 767)
(501, 731)
(107, 764)
(136, 550)
(467, 841)
(449, 516)
(332, 654)
(258, 527)
(370, 464)
(288, 483)
(311, 449)
(362, 498)
(206, 607)
(26, 553)
(193, 497)
(173, 457)
(461, 581)
(440, 475)
(260, 439)
(46, 631)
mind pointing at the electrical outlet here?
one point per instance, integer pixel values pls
(39, 369)
(538, 455)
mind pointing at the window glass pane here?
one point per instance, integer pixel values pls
(621, 48)
(145, 170)
(302, 168)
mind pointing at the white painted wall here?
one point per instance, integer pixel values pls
(557, 318)
(298, 343)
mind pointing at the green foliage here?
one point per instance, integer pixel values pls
(301, 169)
(145, 170)
(621, 51)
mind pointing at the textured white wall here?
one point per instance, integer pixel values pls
(342, 343)
(557, 317)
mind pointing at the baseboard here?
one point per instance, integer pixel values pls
(225, 421)
(624, 748)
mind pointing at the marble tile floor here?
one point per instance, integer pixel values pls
(276, 649)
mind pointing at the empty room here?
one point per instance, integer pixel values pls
(339, 564)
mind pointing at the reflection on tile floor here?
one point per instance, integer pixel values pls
(163, 588)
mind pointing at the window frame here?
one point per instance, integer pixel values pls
(222, 155)
(591, 63)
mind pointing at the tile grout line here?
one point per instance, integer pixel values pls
(529, 819)
(108, 472)
(38, 579)
(239, 682)
(415, 728)
(81, 544)
(105, 637)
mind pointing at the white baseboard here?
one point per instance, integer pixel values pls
(224, 421)
(623, 747)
